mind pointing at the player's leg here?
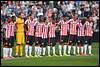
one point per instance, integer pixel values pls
(49, 46)
(40, 46)
(78, 45)
(18, 41)
(85, 45)
(36, 47)
(65, 39)
(60, 46)
(53, 46)
(82, 44)
(74, 44)
(27, 46)
(11, 46)
(44, 45)
(30, 47)
(22, 42)
(4, 48)
(69, 45)
(7, 48)
(89, 46)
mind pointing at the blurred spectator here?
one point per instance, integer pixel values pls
(59, 8)
(95, 18)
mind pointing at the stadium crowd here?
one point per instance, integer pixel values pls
(81, 8)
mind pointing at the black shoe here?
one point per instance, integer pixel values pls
(20, 56)
(15, 56)
(74, 54)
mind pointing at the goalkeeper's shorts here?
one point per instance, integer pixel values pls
(20, 39)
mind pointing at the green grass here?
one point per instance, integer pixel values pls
(55, 61)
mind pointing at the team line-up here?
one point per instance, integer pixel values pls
(74, 32)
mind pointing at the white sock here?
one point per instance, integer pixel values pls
(69, 49)
(10, 51)
(44, 50)
(60, 49)
(81, 49)
(78, 50)
(30, 50)
(36, 49)
(48, 50)
(4, 52)
(7, 52)
(26, 49)
(53, 50)
(89, 48)
(40, 50)
(85, 48)
(74, 49)
(64, 48)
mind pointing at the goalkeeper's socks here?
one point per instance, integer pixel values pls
(64, 48)
(26, 50)
(10, 51)
(48, 50)
(60, 49)
(17, 49)
(21, 50)
(30, 50)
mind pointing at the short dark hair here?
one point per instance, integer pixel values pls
(20, 13)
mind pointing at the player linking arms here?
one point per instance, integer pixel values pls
(19, 33)
(30, 25)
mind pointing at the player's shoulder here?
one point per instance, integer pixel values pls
(17, 19)
(70, 20)
(5, 25)
(49, 23)
(78, 23)
(61, 20)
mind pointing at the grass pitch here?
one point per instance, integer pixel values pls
(55, 61)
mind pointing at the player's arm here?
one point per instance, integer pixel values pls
(77, 26)
(4, 30)
(16, 23)
(93, 27)
(59, 25)
(48, 31)
(26, 25)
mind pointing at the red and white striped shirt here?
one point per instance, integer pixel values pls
(12, 25)
(81, 29)
(31, 25)
(73, 27)
(88, 28)
(6, 26)
(39, 27)
(52, 29)
(45, 31)
(64, 27)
